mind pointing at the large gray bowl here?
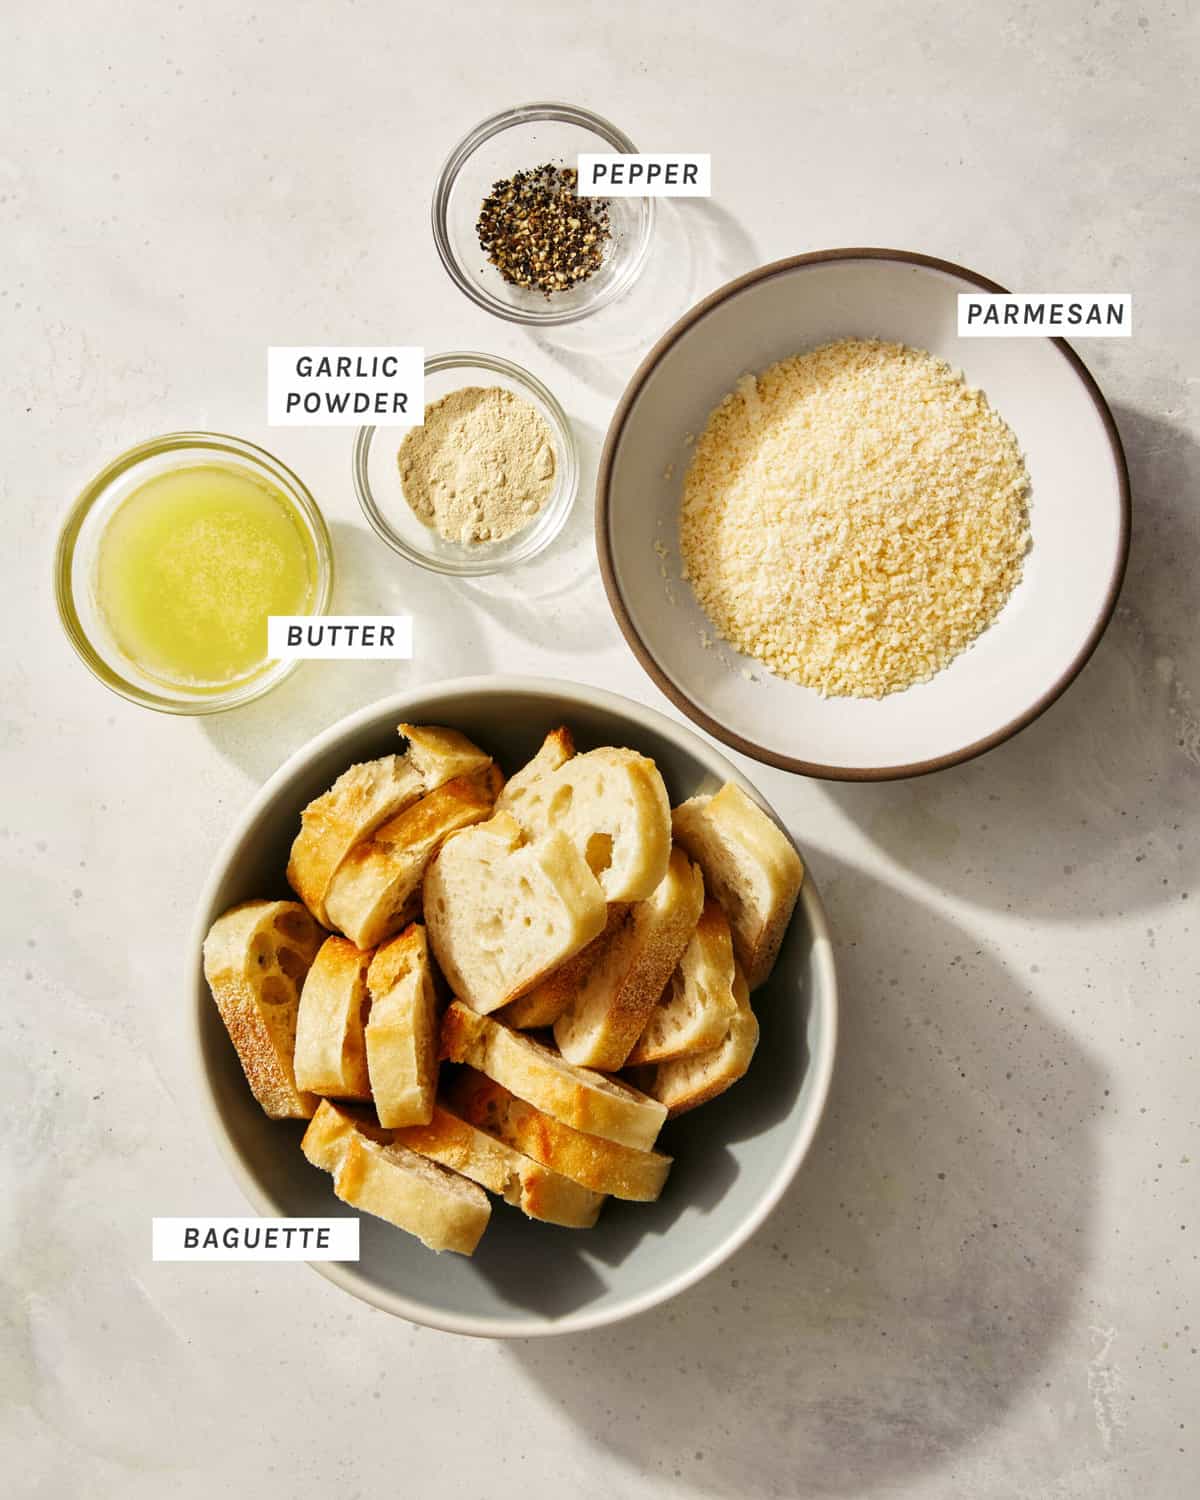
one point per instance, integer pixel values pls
(734, 1158)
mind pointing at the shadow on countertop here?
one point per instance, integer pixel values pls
(1112, 769)
(914, 1282)
(697, 246)
(556, 600)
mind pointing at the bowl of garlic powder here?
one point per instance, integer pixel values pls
(486, 482)
(848, 541)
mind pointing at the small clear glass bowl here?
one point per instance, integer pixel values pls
(78, 551)
(518, 140)
(381, 490)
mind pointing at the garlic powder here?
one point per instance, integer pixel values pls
(481, 467)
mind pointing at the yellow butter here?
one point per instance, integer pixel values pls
(190, 566)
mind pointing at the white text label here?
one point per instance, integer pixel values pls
(339, 637)
(1079, 315)
(321, 386)
(648, 174)
(255, 1239)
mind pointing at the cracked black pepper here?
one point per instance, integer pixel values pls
(538, 233)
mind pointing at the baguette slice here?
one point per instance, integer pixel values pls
(537, 1190)
(443, 1210)
(376, 890)
(255, 958)
(367, 795)
(502, 914)
(600, 1165)
(601, 1025)
(543, 1005)
(751, 867)
(324, 1142)
(402, 1030)
(586, 1101)
(557, 748)
(331, 1053)
(698, 1004)
(613, 806)
(688, 1081)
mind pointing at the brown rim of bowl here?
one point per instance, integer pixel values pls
(679, 698)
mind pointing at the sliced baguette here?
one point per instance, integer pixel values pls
(600, 1165)
(557, 748)
(402, 1030)
(698, 1003)
(750, 866)
(376, 889)
(331, 1053)
(537, 1190)
(324, 1142)
(543, 1005)
(601, 1025)
(689, 1081)
(441, 754)
(502, 913)
(613, 806)
(255, 958)
(443, 1210)
(587, 1101)
(367, 795)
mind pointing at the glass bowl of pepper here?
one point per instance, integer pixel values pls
(511, 230)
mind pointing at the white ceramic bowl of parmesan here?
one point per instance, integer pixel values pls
(1078, 518)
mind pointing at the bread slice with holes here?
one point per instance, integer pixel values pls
(601, 1165)
(331, 1050)
(543, 1005)
(376, 890)
(585, 1100)
(613, 806)
(366, 796)
(750, 866)
(324, 1142)
(255, 958)
(537, 1190)
(697, 1005)
(690, 1081)
(503, 913)
(444, 1211)
(556, 749)
(605, 1019)
(402, 1030)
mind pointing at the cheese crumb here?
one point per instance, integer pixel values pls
(854, 517)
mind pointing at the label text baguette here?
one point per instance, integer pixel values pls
(197, 1237)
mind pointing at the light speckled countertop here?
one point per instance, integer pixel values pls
(985, 1281)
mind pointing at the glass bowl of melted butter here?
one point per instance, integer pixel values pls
(173, 559)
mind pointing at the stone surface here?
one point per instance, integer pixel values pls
(985, 1280)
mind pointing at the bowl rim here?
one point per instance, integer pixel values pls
(345, 1274)
(686, 704)
(506, 119)
(254, 456)
(567, 455)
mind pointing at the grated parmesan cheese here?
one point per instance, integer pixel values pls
(854, 517)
